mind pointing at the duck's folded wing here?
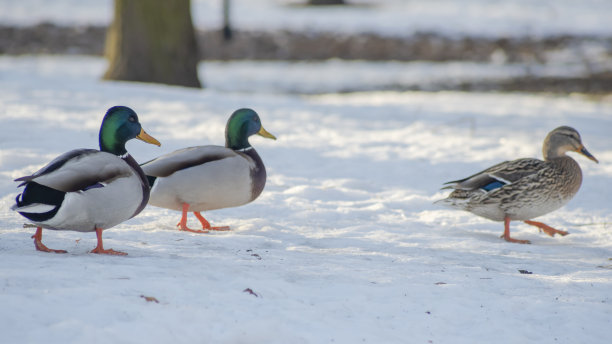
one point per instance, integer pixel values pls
(79, 170)
(181, 159)
(496, 176)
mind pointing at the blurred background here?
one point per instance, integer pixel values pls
(552, 46)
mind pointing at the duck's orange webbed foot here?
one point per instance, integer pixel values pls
(109, 251)
(206, 224)
(182, 225)
(100, 248)
(546, 228)
(516, 241)
(507, 236)
(40, 246)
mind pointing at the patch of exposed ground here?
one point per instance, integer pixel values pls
(595, 53)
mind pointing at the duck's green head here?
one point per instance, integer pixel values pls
(242, 124)
(120, 124)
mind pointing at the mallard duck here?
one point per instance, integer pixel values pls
(523, 189)
(210, 177)
(89, 190)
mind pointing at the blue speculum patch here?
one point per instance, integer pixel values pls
(494, 185)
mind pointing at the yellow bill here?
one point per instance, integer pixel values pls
(147, 138)
(264, 133)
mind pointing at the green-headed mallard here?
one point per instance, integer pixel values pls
(210, 177)
(89, 190)
(523, 189)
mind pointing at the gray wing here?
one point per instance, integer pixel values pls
(79, 169)
(504, 173)
(181, 159)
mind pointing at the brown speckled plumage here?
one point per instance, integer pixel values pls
(526, 188)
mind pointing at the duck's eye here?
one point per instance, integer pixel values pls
(132, 119)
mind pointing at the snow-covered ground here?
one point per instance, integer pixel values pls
(394, 17)
(344, 245)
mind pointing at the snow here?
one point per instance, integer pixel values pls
(344, 245)
(490, 18)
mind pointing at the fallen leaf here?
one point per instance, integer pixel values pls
(250, 291)
(149, 298)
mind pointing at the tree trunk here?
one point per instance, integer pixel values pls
(152, 41)
(227, 29)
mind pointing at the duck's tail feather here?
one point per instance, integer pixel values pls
(38, 202)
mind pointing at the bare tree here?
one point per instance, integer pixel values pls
(227, 29)
(152, 41)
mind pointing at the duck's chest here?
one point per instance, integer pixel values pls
(257, 173)
(548, 191)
